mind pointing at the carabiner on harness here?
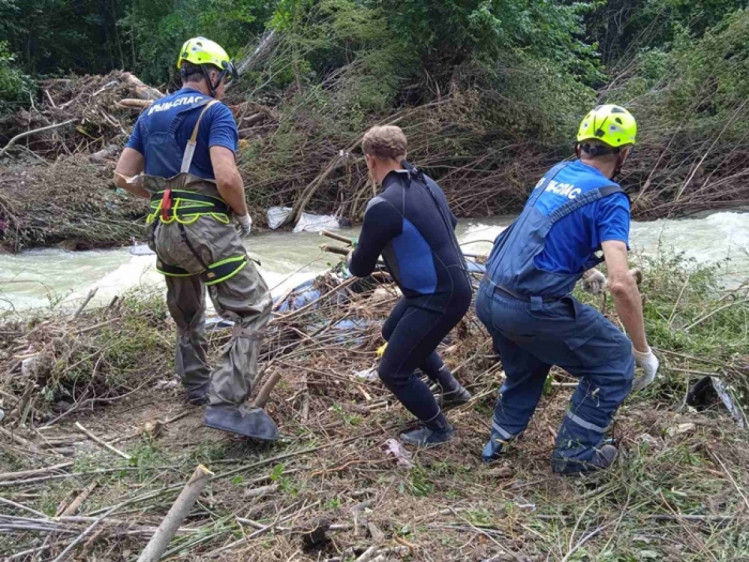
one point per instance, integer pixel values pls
(166, 204)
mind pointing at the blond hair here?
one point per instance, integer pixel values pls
(385, 142)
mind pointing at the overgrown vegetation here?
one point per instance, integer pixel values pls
(489, 92)
(329, 490)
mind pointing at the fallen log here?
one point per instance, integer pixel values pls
(133, 103)
(142, 90)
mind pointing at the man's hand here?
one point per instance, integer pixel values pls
(649, 363)
(245, 224)
(129, 167)
(594, 282)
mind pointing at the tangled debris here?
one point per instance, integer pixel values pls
(97, 444)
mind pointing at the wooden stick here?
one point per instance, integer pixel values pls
(78, 501)
(368, 554)
(35, 472)
(262, 397)
(339, 237)
(65, 553)
(87, 300)
(335, 249)
(101, 442)
(133, 103)
(23, 507)
(18, 137)
(177, 513)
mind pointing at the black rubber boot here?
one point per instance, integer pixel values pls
(453, 394)
(242, 420)
(433, 433)
(602, 459)
(197, 396)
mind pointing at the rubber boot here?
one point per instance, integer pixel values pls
(433, 433)
(493, 448)
(453, 393)
(197, 396)
(242, 420)
(602, 459)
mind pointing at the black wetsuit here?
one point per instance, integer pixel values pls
(412, 227)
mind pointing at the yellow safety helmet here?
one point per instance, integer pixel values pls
(609, 123)
(200, 50)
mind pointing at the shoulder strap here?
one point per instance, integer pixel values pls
(187, 156)
(587, 197)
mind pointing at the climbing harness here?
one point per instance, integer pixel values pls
(185, 208)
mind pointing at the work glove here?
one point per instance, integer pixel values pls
(245, 224)
(649, 363)
(594, 282)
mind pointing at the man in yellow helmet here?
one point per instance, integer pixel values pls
(181, 156)
(575, 211)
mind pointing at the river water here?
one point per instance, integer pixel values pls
(52, 277)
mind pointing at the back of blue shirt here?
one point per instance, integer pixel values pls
(180, 111)
(574, 239)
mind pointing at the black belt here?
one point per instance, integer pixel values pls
(519, 297)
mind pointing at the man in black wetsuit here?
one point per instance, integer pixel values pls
(411, 226)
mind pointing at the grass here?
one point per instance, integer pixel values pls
(674, 493)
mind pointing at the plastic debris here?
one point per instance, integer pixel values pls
(369, 375)
(275, 216)
(165, 385)
(402, 456)
(681, 429)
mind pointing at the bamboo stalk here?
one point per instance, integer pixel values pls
(34, 472)
(262, 397)
(179, 510)
(101, 442)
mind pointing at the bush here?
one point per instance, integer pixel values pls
(15, 88)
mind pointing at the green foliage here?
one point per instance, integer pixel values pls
(623, 28)
(159, 27)
(711, 77)
(697, 86)
(14, 86)
(58, 35)
(458, 30)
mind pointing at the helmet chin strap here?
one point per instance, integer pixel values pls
(619, 164)
(211, 86)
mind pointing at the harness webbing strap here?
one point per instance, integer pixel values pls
(223, 270)
(171, 270)
(187, 156)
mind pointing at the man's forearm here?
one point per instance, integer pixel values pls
(232, 192)
(628, 306)
(122, 182)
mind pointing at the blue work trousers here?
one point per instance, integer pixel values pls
(530, 338)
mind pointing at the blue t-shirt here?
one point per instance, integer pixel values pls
(217, 128)
(574, 239)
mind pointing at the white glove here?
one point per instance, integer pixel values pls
(594, 283)
(245, 223)
(649, 363)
